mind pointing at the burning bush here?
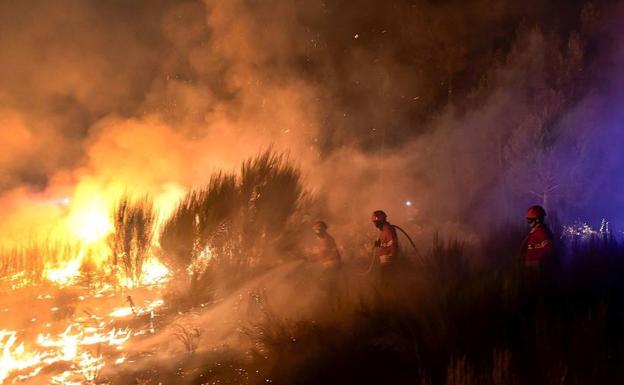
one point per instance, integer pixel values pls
(196, 220)
(271, 193)
(28, 260)
(132, 238)
(233, 223)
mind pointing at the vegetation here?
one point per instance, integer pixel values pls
(189, 337)
(234, 224)
(444, 322)
(131, 241)
(445, 319)
(488, 325)
(31, 260)
(186, 233)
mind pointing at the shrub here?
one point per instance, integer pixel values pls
(234, 223)
(134, 229)
(198, 219)
(271, 191)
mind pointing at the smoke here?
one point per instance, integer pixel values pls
(539, 127)
(103, 103)
(440, 105)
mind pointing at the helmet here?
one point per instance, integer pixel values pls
(536, 212)
(379, 216)
(319, 225)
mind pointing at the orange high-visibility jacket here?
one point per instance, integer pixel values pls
(388, 244)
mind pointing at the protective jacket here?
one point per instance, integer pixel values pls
(539, 246)
(387, 244)
(328, 251)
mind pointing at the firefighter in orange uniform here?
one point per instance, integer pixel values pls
(387, 246)
(326, 251)
(330, 262)
(539, 248)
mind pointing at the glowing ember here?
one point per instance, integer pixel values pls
(85, 346)
(201, 262)
(18, 280)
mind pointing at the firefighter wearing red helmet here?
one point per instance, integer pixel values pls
(327, 250)
(387, 246)
(538, 247)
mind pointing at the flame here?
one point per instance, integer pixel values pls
(166, 202)
(154, 272)
(90, 221)
(87, 225)
(14, 358)
(86, 344)
(66, 274)
(68, 346)
(82, 226)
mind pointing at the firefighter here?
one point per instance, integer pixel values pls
(387, 246)
(539, 248)
(330, 261)
(326, 250)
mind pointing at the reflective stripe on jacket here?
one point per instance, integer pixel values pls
(388, 244)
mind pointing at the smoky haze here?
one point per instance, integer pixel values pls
(469, 110)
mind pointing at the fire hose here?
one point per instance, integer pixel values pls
(418, 255)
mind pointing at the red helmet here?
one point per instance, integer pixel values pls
(319, 225)
(379, 216)
(537, 212)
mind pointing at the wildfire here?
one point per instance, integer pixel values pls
(79, 352)
(14, 358)
(67, 274)
(86, 224)
(154, 273)
(71, 346)
(79, 245)
(74, 245)
(90, 221)
(201, 262)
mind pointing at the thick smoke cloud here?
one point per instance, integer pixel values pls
(436, 103)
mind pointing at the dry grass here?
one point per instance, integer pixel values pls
(31, 259)
(449, 326)
(189, 337)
